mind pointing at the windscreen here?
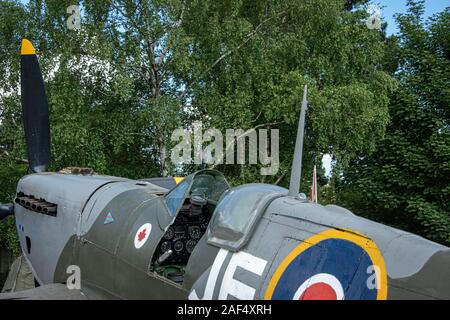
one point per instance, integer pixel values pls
(238, 210)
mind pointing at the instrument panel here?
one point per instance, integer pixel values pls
(182, 236)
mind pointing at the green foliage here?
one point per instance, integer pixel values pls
(139, 69)
(406, 181)
(118, 88)
(250, 66)
(8, 236)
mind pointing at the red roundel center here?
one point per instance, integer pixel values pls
(142, 235)
(319, 291)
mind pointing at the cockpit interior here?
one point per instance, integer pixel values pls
(191, 204)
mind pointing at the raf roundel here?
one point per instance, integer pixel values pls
(142, 235)
(332, 265)
(322, 286)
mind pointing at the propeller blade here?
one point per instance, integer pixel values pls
(35, 109)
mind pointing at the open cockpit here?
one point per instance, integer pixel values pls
(190, 206)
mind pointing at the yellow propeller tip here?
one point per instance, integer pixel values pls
(27, 47)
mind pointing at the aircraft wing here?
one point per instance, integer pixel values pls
(20, 285)
(53, 291)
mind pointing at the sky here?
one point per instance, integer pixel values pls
(390, 7)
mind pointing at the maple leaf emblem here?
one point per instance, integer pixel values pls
(142, 234)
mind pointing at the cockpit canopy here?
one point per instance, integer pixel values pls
(207, 184)
(236, 210)
(237, 213)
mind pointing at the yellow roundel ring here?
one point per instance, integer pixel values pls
(347, 252)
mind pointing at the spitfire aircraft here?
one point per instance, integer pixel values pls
(198, 238)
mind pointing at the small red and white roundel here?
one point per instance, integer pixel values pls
(322, 286)
(142, 235)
